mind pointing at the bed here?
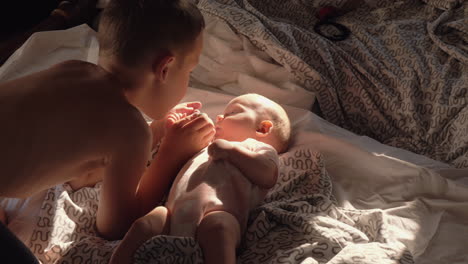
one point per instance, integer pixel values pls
(400, 77)
(342, 196)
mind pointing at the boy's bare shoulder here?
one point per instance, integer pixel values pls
(71, 91)
(74, 63)
(71, 113)
(100, 96)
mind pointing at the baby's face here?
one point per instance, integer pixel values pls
(239, 120)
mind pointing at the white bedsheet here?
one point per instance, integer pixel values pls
(231, 63)
(427, 208)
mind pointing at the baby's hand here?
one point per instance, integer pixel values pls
(219, 149)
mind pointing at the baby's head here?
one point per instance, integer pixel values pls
(254, 116)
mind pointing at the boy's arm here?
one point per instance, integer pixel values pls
(158, 177)
(183, 140)
(258, 167)
(118, 204)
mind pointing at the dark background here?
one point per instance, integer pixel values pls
(20, 15)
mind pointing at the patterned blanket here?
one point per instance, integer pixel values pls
(401, 77)
(298, 222)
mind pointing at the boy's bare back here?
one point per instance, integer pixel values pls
(59, 125)
(78, 122)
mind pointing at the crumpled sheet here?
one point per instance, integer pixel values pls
(299, 222)
(401, 77)
(333, 203)
(45, 49)
(231, 63)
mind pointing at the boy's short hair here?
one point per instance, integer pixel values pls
(130, 30)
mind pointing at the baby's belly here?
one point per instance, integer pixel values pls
(211, 187)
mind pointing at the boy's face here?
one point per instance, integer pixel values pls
(175, 86)
(239, 121)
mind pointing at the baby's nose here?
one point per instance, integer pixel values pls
(219, 118)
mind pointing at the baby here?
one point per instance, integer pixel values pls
(212, 195)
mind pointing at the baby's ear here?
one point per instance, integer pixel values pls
(265, 128)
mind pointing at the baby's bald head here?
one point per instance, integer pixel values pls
(267, 109)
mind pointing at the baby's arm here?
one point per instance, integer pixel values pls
(257, 167)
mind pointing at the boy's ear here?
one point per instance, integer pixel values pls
(161, 65)
(265, 128)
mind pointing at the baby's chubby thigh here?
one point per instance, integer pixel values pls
(188, 211)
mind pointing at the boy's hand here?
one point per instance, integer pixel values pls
(188, 136)
(180, 111)
(219, 149)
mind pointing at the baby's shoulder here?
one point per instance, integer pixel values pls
(256, 145)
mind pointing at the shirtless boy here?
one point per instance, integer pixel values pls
(214, 192)
(81, 123)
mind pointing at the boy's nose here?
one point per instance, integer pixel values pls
(219, 118)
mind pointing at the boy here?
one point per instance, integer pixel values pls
(81, 122)
(213, 193)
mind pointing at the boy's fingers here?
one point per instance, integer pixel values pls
(172, 119)
(170, 122)
(175, 118)
(199, 122)
(187, 108)
(186, 120)
(184, 110)
(194, 105)
(206, 129)
(208, 137)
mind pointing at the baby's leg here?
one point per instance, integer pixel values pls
(154, 223)
(219, 235)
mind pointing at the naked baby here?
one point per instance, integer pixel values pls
(213, 193)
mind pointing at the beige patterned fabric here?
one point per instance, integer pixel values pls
(401, 77)
(444, 4)
(298, 220)
(65, 230)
